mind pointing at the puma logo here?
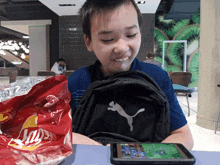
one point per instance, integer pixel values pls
(121, 111)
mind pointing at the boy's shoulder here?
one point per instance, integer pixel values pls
(152, 70)
(78, 78)
(77, 73)
(82, 75)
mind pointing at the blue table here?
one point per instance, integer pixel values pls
(180, 88)
(100, 155)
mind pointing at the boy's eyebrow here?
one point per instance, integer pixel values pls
(104, 32)
(131, 27)
(110, 31)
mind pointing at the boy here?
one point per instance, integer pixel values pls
(150, 58)
(112, 32)
(59, 67)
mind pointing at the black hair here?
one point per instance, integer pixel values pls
(92, 6)
(150, 55)
(61, 59)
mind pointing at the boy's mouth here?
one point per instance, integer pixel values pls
(121, 59)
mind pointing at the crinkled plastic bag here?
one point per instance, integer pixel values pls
(36, 127)
(20, 87)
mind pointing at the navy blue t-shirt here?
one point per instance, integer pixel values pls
(79, 81)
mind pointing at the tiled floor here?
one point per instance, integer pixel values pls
(204, 139)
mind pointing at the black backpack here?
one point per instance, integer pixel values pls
(127, 107)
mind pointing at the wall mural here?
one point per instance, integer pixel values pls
(185, 29)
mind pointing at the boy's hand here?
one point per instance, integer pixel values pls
(81, 139)
(182, 135)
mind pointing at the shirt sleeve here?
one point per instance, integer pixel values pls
(55, 68)
(177, 117)
(78, 82)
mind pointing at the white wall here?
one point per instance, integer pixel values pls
(37, 43)
(209, 65)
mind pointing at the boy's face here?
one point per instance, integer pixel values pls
(115, 38)
(61, 63)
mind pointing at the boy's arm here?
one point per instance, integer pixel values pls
(182, 135)
(81, 139)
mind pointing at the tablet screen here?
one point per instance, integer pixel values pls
(149, 151)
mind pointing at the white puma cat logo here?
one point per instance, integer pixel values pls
(120, 110)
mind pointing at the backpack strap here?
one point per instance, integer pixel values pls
(136, 74)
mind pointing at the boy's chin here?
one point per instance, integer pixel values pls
(120, 67)
(116, 69)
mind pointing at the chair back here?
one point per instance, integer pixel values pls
(46, 73)
(68, 73)
(13, 76)
(181, 78)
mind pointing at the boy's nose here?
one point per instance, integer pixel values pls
(121, 47)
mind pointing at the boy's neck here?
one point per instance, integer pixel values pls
(105, 74)
(108, 74)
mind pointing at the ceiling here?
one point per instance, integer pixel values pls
(183, 9)
(23, 10)
(71, 7)
(17, 15)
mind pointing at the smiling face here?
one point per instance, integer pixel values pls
(115, 38)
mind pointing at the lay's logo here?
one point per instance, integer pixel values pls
(4, 117)
(31, 137)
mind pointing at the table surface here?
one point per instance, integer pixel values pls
(100, 155)
(182, 88)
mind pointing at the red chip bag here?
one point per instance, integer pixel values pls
(37, 127)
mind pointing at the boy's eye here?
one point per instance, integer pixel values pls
(131, 36)
(107, 40)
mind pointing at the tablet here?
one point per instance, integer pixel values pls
(151, 153)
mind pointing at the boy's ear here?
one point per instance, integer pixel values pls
(88, 43)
